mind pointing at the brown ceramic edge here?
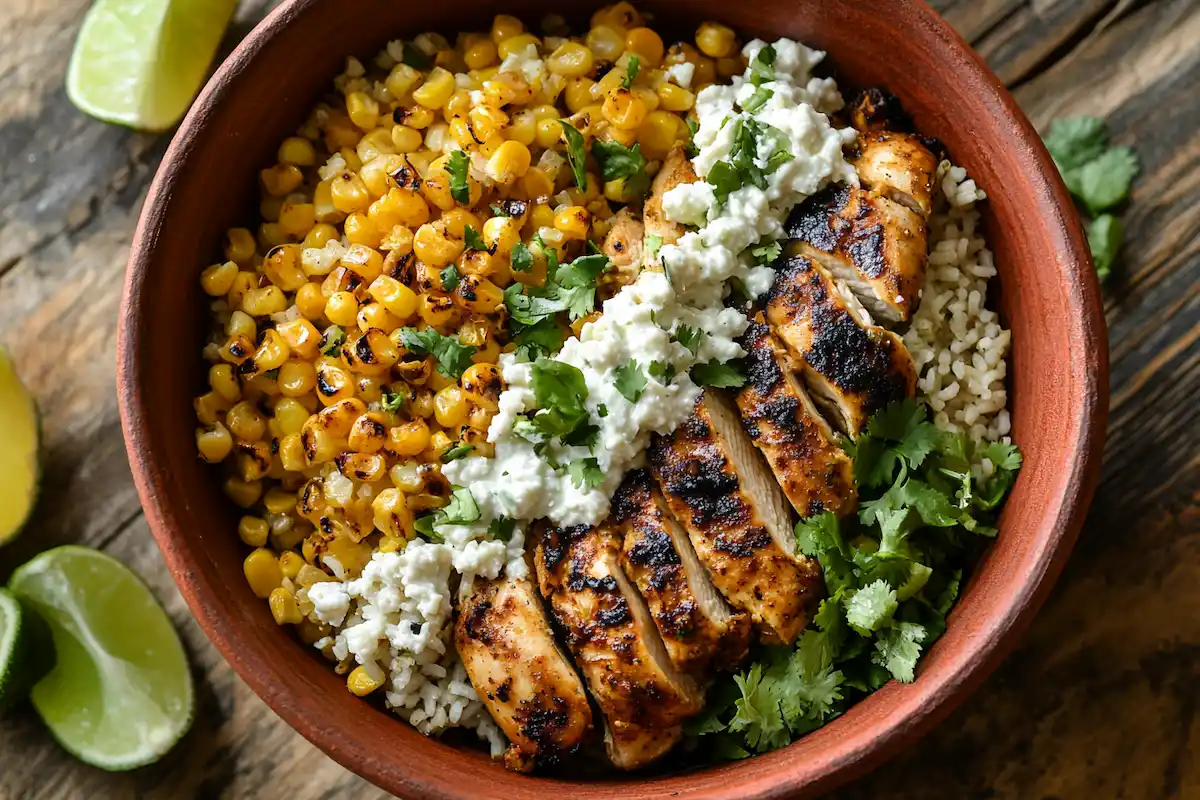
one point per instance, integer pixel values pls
(1089, 372)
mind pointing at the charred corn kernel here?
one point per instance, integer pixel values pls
(376, 173)
(342, 309)
(647, 45)
(675, 98)
(323, 205)
(272, 352)
(621, 16)
(291, 453)
(398, 207)
(366, 262)
(478, 295)
(297, 218)
(401, 80)
(373, 353)
(243, 493)
(436, 89)
(406, 476)
(548, 134)
(253, 460)
(624, 109)
(536, 184)
(542, 216)
(310, 302)
(439, 443)
(237, 350)
(283, 603)
(242, 283)
(509, 162)
(301, 335)
(480, 53)
(505, 26)
(457, 107)
(376, 315)
(516, 45)
(364, 680)
(501, 234)
(282, 267)
(290, 413)
(414, 369)
(571, 60)
(376, 147)
(456, 221)
(214, 443)
(217, 280)
(340, 131)
(391, 515)
(363, 110)
(657, 134)
(333, 384)
(291, 562)
(546, 111)
(450, 407)
(296, 379)
(406, 139)
(319, 445)
(416, 117)
(339, 417)
(433, 246)
(210, 408)
(277, 501)
(398, 298)
(239, 245)
(508, 88)
(715, 40)
(579, 94)
(253, 531)
(572, 221)
(435, 311)
(398, 242)
(437, 381)
(262, 572)
(297, 151)
(246, 422)
(422, 404)
(222, 381)
(522, 128)
(281, 179)
(269, 207)
(408, 439)
(482, 384)
(349, 193)
(368, 434)
(364, 467)
(605, 43)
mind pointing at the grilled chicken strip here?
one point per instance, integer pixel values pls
(875, 245)
(814, 472)
(852, 368)
(876, 110)
(609, 630)
(718, 487)
(630, 746)
(528, 684)
(695, 623)
(624, 246)
(898, 166)
(676, 169)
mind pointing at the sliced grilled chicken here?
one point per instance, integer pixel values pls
(721, 491)
(875, 245)
(527, 683)
(852, 368)
(814, 472)
(876, 110)
(631, 746)
(609, 630)
(898, 166)
(676, 169)
(624, 247)
(695, 623)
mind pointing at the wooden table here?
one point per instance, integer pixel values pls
(1099, 702)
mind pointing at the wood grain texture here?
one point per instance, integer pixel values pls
(1099, 702)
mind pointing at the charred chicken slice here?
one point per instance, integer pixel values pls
(814, 472)
(875, 245)
(624, 247)
(695, 623)
(676, 169)
(852, 368)
(631, 746)
(528, 684)
(898, 166)
(718, 487)
(609, 630)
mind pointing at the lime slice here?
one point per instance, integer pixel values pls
(26, 652)
(120, 694)
(18, 451)
(140, 62)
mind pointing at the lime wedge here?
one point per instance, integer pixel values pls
(140, 62)
(18, 451)
(26, 652)
(120, 694)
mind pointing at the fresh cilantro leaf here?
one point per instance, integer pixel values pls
(576, 282)
(738, 291)
(630, 381)
(653, 244)
(631, 71)
(724, 178)
(582, 436)
(474, 240)
(456, 452)
(764, 254)
(1104, 181)
(521, 258)
(501, 529)
(758, 713)
(499, 211)
(462, 508)
(543, 338)
(871, 607)
(450, 278)
(689, 337)
(585, 473)
(721, 376)
(661, 371)
(820, 534)
(897, 649)
(576, 153)
(415, 57)
(1074, 141)
(424, 525)
(392, 401)
(332, 340)
(457, 166)
(1002, 456)
(560, 392)
(1104, 236)
(757, 100)
(691, 151)
(530, 306)
(453, 356)
(618, 161)
(602, 411)
(762, 68)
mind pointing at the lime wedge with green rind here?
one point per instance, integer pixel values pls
(140, 62)
(19, 435)
(26, 651)
(120, 694)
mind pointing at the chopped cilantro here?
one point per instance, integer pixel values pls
(457, 166)
(602, 411)
(630, 381)
(653, 244)
(450, 277)
(543, 338)
(461, 509)
(764, 254)
(453, 356)
(569, 287)
(691, 338)
(742, 168)
(474, 240)
(661, 371)
(392, 401)
(757, 100)
(631, 71)
(618, 161)
(721, 376)
(585, 473)
(691, 150)
(762, 68)
(576, 153)
(456, 452)
(521, 258)
(332, 340)
(501, 528)
(424, 525)
(560, 392)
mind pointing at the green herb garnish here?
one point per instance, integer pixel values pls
(631, 71)
(332, 340)
(392, 401)
(501, 528)
(457, 167)
(630, 381)
(449, 277)
(521, 258)
(691, 338)
(456, 452)
(718, 375)
(585, 473)
(576, 153)
(474, 241)
(453, 356)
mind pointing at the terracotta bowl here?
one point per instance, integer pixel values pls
(1048, 293)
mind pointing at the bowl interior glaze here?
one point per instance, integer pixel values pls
(1048, 295)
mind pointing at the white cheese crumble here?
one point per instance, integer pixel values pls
(682, 73)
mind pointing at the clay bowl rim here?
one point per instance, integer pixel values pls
(859, 750)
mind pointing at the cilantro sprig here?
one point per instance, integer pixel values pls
(453, 356)
(742, 167)
(1098, 176)
(576, 153)
(892, 574)
(457, 166)
(569, 288)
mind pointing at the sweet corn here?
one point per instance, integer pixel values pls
(715, 40)
(262, 572)
(362, 681)
(436, 89)
(218, 279)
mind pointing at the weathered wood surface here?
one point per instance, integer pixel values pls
(1100, 701)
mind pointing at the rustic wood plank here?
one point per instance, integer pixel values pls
(1099, 701)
